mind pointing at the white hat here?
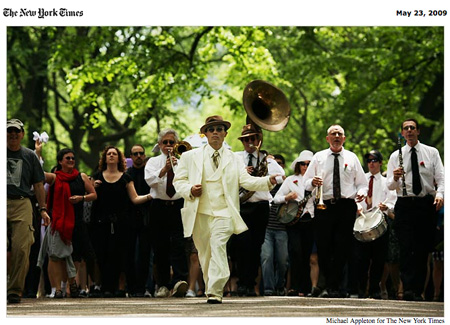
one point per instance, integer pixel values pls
(304, 155)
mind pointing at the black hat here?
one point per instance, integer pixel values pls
(374, 153)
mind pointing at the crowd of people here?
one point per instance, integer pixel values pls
(214, 223)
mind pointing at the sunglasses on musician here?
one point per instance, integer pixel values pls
(69, 158)
(219, 129)
(166, 142)
(137, 153)
(302, 163)
(247, 139)
(372, 160)
(409, 127)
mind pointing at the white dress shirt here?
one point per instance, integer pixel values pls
(294, 183)
(380, 193)
(352, 177)
(272, 169)
(430, 169)
(158, 184)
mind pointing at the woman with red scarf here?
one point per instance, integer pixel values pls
(68, 190)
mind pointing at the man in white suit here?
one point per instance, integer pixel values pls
(208, 178)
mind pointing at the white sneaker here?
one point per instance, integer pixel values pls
(190, 294)
(147, 294)
(163, 292)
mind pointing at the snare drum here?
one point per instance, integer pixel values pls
(370, 227)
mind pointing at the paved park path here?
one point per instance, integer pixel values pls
(231, 307)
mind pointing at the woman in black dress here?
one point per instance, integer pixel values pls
(109, 220)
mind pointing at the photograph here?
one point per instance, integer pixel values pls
(223, 161)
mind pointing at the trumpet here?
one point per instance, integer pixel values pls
(319, 199)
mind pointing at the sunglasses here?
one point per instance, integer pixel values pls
(166, 142)
(247, 139)
(372, 160)
(137, 153)
(336, 134)
(13, 130)
(69, 158)
(409, 127)
(302, 163)
(211, 129)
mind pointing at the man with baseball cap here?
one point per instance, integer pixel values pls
(25, 178)
(208, 178)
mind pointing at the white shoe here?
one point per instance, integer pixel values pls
(163, 292)
(147, 294)
(190, 294)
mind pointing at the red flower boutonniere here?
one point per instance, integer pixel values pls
(422, 164)
(345, 167)
(296, 182)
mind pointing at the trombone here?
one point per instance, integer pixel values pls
(178, 149)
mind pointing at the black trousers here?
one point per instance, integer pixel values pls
(139, 250)
(109, 240)
(415, 225)
(248, 244)
(300, 244)
(333, 229)
(168, 242)
(368, 264)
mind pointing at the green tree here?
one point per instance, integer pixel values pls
(91, 86)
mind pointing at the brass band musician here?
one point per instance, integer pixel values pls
(415, 212)
(342, 177)
(254, 210)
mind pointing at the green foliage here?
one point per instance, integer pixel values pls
(92, 86)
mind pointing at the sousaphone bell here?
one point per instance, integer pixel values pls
(266, 105)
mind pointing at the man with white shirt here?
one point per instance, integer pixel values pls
(415, 212)
(343, 182)
(208, 178)
(254, 211)
(372, 255)
(165, 220)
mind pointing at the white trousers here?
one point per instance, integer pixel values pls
(210, 236)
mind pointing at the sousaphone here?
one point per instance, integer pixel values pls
(266, 106)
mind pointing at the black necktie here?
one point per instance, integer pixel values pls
(250, 162)
(417, 187)
(170, 189)
(336, 178)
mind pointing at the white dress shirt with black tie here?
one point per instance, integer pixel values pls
(430, 170)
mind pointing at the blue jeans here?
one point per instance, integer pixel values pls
(274, 260)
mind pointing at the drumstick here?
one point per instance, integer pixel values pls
(363, 214)
(378, 209)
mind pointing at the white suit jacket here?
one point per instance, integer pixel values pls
(234, 175)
